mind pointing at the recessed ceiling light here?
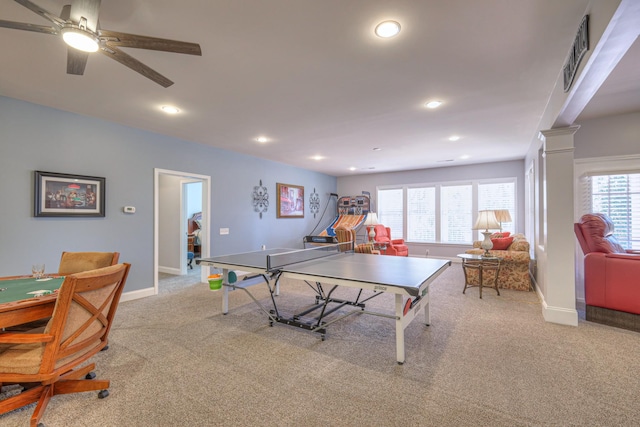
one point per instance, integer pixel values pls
(352, 168)
(318, 157)
(465, 156)
(387, 29)
(433, 104)
(170, 109)
(454, 138)
(377, 149)
(262, 139)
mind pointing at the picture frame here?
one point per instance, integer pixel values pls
(67, 195)
(290, 201)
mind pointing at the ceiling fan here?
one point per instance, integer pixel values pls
(79, 27)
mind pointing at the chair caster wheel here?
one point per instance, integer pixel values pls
(90, 376)
(105, 348)
(41, 425)
(103, 393)
(322, 337)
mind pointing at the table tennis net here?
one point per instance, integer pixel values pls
(278, 261)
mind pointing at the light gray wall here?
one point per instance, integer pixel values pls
(351, 185)
(169, 223)
(34, 137)
(608, 136)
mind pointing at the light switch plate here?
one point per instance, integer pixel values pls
(224, 231)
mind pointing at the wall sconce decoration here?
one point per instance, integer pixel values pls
(314, 202)
(260, 199)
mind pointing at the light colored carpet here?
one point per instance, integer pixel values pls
(168, 283)
(175, 359)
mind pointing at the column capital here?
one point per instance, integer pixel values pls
(550, 133)
(559, 140)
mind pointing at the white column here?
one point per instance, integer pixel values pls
(556, 253)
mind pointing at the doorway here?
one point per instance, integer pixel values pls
(170, 223)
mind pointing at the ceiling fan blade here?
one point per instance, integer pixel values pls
(76, 61)
(42, 12)
(88, 9)
(28, 27)
(115, 38)
(137, 66)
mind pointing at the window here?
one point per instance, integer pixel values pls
(618, 196)
(445, 212)
(498, 195)
(456, 214)
(421, 214)
(391, 216)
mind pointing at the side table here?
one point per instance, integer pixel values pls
(481, 264)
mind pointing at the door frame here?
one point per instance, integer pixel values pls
(206, 218)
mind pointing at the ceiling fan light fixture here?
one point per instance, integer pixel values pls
(79, 38)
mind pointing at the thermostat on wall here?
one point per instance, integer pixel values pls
(129, 209)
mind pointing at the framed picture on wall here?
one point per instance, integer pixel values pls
(61, 194)
(290, 201)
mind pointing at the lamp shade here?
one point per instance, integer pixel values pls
(486, 220)
(372, 219)
(503, 215)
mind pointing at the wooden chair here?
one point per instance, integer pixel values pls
(366, 248)
(346, 238)
(76, 262)
(46, 362)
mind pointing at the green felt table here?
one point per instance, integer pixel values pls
(18, 289)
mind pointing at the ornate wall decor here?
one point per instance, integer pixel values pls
(260, 199)
(314, 202)
(578, 49)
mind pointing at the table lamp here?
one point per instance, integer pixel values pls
(372, 219)
(486, 220)
(502, 215)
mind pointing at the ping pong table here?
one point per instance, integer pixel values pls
(406, 277)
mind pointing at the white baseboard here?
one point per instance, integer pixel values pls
(169, 270)
(137, 294)
(562, 316)
(559, 315)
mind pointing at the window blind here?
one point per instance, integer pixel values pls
(421, 214)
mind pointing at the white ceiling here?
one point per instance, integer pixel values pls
(312, 77)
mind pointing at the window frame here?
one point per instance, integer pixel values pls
(474, 183)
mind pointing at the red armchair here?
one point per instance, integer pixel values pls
(391, 246)
(611, 274)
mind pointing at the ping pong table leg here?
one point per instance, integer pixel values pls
(225, 291)
(399, 329)
(427, 313)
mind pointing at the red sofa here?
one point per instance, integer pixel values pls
(391, 246)
(611, 274)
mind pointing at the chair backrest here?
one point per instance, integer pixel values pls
(83, 316)
(76, 262)
(595, 234)
(382, 234)
(364, 248)
(346, 237)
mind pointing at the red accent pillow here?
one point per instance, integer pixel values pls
(500, 234)
(502, 243)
